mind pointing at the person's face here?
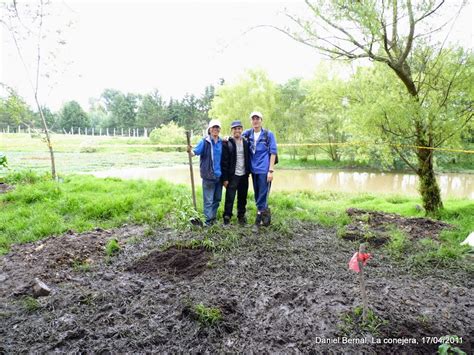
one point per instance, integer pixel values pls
(215, 130)
(256, 122)
(237, 132)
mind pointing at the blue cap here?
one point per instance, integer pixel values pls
(236, 124)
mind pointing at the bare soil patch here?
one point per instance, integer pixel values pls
(4, 188)
(276, 293)
(182, 262)
(374, 226)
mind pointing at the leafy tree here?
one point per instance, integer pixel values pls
(121, 108)
(14, 110)
(290, 124)
(152, 110)
(326, 113)
(375, 30)
(254, 91)
(72, 115)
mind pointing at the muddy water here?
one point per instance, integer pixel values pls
(452, 185)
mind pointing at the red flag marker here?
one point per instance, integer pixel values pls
(354, 262)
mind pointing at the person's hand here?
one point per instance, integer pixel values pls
(189, 149)
(225, 183)
(225, 138)
(269, 177)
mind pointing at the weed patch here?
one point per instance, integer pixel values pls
(353, 325)
(207, 316)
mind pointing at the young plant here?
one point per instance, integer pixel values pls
(112, 247)
(207, 316)
(30, 304)
(353, 323)
(398, 243)
(447, 348)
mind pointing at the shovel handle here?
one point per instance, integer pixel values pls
(188, 138)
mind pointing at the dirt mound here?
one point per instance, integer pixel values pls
(4, 188)
(52, 259)
(183, 262)
(374, 227)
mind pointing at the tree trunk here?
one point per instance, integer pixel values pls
(429, 189)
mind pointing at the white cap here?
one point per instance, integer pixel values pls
(213, 123)
(256, 113)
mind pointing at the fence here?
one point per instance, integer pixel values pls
(87, 131)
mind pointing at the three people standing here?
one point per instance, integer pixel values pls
(229, 163)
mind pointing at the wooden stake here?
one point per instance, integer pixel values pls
(362, 283)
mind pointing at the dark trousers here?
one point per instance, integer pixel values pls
(239, 185)
(261, 189)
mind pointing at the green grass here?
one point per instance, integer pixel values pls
(30, 304)
(112, 247)
(353, 324)
(207, 316)
(44, 208)
(38, 208)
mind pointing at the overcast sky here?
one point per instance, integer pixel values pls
(174, 46)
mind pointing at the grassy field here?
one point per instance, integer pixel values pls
(38, 208)
(85, 153)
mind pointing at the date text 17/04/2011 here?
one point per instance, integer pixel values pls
(398, 341)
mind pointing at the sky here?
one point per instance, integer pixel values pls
(177, 47)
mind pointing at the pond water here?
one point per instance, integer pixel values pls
(452, 185)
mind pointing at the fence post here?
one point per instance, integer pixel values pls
(145, 133)
(122, 132)
(114, 131)
(129, 132)
(92, 131)
(79, 130)
(107, 131)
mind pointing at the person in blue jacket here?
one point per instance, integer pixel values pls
(263, 153)
(210, 151)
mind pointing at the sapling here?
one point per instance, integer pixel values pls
(357, 263)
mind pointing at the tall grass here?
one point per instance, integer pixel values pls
(38, 207)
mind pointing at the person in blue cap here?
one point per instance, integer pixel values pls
(210, 151)
(263, 157)
(235, 166)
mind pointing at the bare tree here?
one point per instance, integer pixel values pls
(396, 33)
(25, 22)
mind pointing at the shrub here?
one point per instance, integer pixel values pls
(168, 134)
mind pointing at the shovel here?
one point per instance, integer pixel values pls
(194, 221)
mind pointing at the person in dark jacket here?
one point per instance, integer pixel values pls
(210, 151)
(235, 166)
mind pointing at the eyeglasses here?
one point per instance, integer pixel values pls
(255, 118)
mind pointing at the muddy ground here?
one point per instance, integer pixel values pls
(277, 293)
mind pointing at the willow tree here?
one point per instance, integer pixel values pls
(402, 36)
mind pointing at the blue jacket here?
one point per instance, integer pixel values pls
(210, 158)
(261, 151)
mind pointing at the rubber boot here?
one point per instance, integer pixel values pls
(266, 217)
